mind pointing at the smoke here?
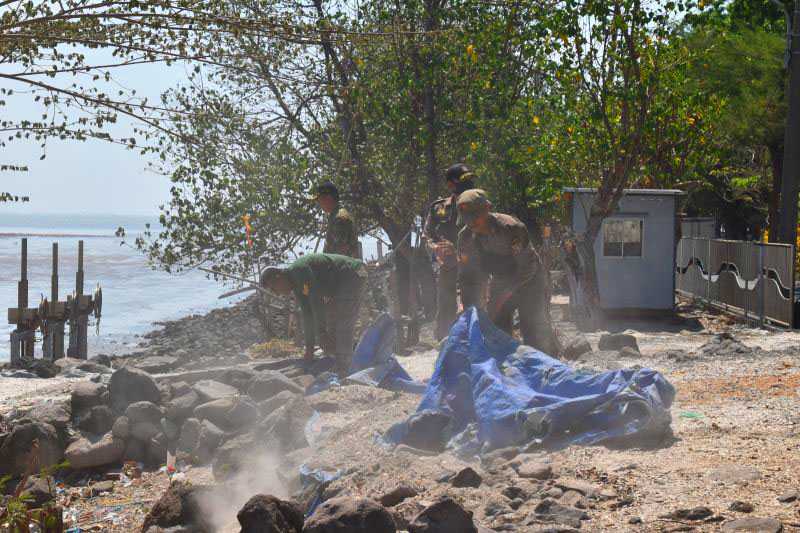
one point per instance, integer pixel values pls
(257, 476)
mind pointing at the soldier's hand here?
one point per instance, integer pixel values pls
(445, 250)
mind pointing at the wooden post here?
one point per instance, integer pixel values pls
(79, 314)
(380, 249)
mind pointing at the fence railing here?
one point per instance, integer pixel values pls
(752, 279)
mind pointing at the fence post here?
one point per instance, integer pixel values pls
(748, 255)
(761, 284)
(792, 258)
(708, 272)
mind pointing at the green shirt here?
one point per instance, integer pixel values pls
(314, 277)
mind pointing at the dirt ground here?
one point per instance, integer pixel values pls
(736, 425)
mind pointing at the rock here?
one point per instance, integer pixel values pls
(753, 524)
(144, 412)
(397, 495)
(157, 364)
(209, 390)
(208, 441)
(629, 353)
(121, 428)
(179, 388)
(231, 413)
(156, 450)
(16, 448)
(734, 474)
(725, 345)
(573, 499)
(170, 429)
(428, 430)
(181, 505)
(38, 491)
(512, 493)
(575, 347)
(135, 450)
(550, 511)
(741, 507)
(86, 395)
(553, 492)
(500, 455)
(181, 407)
(789, 496)
(516, 503)
(589, 490)
(467, 477)
(267, 385)
(533, 468)
(617, 341)
(190, 435)
(97, 420)
(635, 520)
(238, 378)
(286, 425)
(130, 385)
(340, 515)
(268, 514)
(55, 413)
(444, 516)
(41, 367)
(235, 454)
(85, 453)
(323, 406)
(279, 400)
(93, 368)
(695, 513)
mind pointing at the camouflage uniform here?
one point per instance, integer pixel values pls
(517, 279)
(441, 225)
(325, 286)
(340, 235)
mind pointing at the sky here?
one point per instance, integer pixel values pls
(91, 177)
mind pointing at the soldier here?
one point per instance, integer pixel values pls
(440, 234)
(322, 283)
(498, 246)
(340, 235)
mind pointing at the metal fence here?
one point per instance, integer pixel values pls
(752, 279)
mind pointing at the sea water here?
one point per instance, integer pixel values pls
(134, 294)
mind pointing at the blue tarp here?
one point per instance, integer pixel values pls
(374, 362)
(507, 394)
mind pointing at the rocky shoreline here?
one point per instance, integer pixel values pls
(226, 438)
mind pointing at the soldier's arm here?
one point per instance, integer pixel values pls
(469, 274)
(427, 232)
(344, 235)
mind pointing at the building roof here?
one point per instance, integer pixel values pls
(631, 192)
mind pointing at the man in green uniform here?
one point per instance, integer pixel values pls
(498, 246)
(326, 286)
(440, 235)
(340, 235)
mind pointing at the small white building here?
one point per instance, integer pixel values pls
(635, 250)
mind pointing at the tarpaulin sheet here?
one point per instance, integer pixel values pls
(508, 394)
(374, 362)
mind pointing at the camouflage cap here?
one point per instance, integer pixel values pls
(459, 173)
(471, 203)
(326, 188)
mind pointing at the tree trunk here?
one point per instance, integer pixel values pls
(776, 154)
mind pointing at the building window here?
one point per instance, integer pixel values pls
(622, 237)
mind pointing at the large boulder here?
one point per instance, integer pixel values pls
(268, 384)
(86, 453)
(145, 420)
(130, 385)
(190, 435)
(340, 515)
(236, 454)
(238, 378)
(97, 420)
(39, 491)
(121, 428)
(86, 395)
(617, 341)
(270, 404)
(208, 441)
(18, 451)
(209, 390)
(231, 413)
(285, 427)
(428, 430)
(181, 407)
(157, 364)
(575, 347)
(444, 516)
(268, 514)
(181, 505)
